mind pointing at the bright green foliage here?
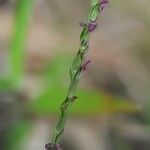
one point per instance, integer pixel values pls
(16, 134)
(89, 101)
(17, 46)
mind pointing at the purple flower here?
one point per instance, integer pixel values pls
(92, 26)
(58, 147)
(103, 4)
(48, 146)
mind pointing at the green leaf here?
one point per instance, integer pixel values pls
(16, 135)
(18, 39)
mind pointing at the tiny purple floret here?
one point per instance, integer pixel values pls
(58, 147)
(103, 4)
(92, 26)
(48, 146)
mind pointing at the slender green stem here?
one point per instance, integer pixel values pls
(75, 72)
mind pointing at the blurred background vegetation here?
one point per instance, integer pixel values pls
(38, 40)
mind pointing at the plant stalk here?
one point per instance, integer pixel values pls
(75, 71)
